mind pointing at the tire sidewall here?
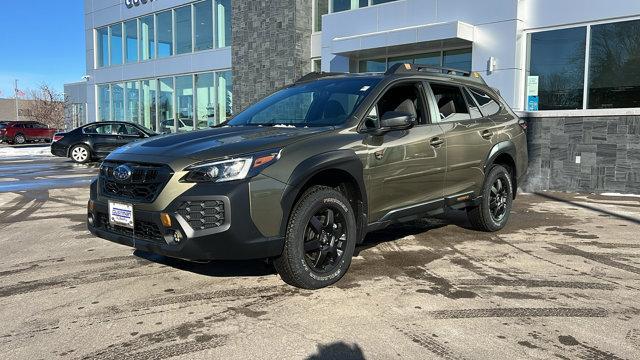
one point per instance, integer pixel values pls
(307, 208)
(495, 173)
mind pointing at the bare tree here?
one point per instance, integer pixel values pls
(47, 106)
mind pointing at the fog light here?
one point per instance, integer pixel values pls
(90, 219)
(166, 220)
(175, 238)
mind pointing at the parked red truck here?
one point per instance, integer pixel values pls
(21, 132)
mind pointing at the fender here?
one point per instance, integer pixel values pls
(504, 147)
(345, 160)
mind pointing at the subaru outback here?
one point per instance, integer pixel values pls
(303, 175)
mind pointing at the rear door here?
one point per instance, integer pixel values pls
(101, 138)
(468, 136)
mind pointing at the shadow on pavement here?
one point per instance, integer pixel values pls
(589, 207)
(213, 268)
(338, 351)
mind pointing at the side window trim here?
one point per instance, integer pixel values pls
(432, 104)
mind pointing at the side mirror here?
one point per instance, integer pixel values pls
(395, 120)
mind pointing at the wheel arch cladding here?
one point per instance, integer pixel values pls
(504, 153)
(339, 168)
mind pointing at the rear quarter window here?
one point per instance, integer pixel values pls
(488, 105)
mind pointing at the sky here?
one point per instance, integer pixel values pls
(41, 41)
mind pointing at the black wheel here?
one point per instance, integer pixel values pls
(80, 154)
(19, 139)
(320, 240)
(497, 199)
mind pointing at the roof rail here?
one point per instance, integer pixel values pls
(316, 75)
(403, 68)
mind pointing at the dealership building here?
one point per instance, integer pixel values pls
(571, 67)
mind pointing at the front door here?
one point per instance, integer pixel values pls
(405, 168)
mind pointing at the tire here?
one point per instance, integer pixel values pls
(334, 235)
(497, 199)
(80, 154)
(19, 139)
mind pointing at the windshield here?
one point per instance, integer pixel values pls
(327, 102)
(3, 126)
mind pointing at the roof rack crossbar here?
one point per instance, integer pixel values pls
(399, 68)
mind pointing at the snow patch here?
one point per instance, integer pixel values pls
(620, 195)
(19, 151)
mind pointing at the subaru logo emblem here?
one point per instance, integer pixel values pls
(122, 173)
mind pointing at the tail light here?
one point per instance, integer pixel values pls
(523, 124)
(57, 137)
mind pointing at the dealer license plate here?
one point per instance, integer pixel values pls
(121, 214)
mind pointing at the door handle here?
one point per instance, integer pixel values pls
(487, 134)
(436, 142)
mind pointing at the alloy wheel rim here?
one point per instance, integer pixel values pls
(79, 154)
(20, 139)
(325, 239)
(498, 199)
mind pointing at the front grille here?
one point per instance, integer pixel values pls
(143, 229)
(202, 215)
(144, 185)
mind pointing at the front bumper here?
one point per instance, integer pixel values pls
(236, 239)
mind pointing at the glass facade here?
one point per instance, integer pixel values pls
(455, 59)
(131, 42)
(182, 27)
(147, 38)
(203, 23)
(557, 59)
(343, 5)
(164, 22)
(115, 44)
(199, 26)
(180, 103)
(614, 66)
(321, 8)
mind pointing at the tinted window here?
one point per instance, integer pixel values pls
(127, 130)
(450, 103)
(319, 103)
(614, 66)
(98, 129)
(488, 105)
(557, 58)
(473, 108)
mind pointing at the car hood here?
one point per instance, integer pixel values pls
(212, 143)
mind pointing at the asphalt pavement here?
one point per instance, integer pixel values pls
(561, 281)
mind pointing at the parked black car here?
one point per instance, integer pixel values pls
(97, 140)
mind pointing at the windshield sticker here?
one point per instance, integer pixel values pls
(365, 88)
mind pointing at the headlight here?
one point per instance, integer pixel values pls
(232, 169)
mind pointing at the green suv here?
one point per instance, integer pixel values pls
(303, 175)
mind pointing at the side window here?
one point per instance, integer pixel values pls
(474, 111)
(98, 129)
(128, 130)
(488, 105)
(450, 102)
(403, 98)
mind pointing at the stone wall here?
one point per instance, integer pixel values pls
(270, 46)
(608, 147)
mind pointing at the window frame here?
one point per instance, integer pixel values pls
(585, 110)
